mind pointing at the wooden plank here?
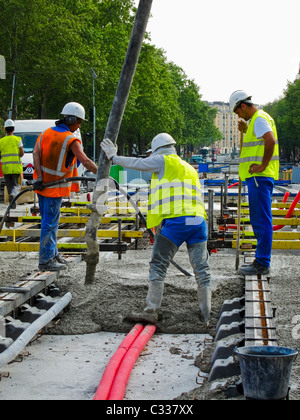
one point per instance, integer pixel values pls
(36, 282)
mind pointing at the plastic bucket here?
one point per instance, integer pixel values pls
(266, 371)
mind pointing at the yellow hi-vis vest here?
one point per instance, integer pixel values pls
(10, 155)
(253, 151)
(177, 194)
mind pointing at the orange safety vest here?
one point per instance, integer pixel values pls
(54, 148)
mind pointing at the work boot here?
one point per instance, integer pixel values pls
(154, 296)
(52, 265)
(162, 254)
(199, 258)
(58, 258)
(204, 299)
(254, 269)
(144, 317)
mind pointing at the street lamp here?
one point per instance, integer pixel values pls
(12, 96)
(2, 67)
(94, 116)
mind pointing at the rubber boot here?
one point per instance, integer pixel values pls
(204, 299)
(162, 254)
(154, 296)
(199, 258)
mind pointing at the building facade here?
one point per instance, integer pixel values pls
(227, 123)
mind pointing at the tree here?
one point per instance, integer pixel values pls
(286, 113)
(52, 45)
(198, 128)
(153, 104)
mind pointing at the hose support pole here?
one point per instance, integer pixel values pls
(112, 131)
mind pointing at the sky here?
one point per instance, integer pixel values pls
(227, 45)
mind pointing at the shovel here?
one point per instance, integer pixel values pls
(237, 258)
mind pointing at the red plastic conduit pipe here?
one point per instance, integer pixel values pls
(115, 362)
(288, 215)
(121, 379)
(290, 212)
(233, 185)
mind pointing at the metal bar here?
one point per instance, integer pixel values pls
(68, 219)
(14, 289)
(249, 244)
(73, 233)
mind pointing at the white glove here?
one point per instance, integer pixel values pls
(109, 148)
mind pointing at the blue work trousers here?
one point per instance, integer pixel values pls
(50, 212)
(189, 229)
(260, 191)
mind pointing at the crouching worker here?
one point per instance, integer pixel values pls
(55, 158)
(175, 200)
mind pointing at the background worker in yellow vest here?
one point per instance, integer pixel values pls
(259, 167)
(55, 158)
(175, 200)
(11, 151)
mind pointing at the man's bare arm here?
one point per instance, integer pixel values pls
(82, 157)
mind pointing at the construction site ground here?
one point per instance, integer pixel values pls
(68, 363)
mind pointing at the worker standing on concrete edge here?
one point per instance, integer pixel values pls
(175, 200)
(259, 167)
(11, 151)
(55, 158)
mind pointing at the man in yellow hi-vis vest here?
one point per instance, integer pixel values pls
(175, 200)
(11, 151)
(259, 167)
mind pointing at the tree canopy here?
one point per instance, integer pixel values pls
(286, 113)
(51, 47)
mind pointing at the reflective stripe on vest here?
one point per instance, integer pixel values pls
(58, 171)
(253, 151)
(53, 147)
(10, 155)
(177, 194)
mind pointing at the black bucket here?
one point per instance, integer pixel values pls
(266, 371)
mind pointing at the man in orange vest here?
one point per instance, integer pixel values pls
(55, 158)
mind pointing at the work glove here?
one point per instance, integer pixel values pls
(109, 148)
(38, 184)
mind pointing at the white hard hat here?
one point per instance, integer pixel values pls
(9, 123)
(162, 140)
(237, 97)
(74, 109)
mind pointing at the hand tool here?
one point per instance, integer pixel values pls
(237, 258)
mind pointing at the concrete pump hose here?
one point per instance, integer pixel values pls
(20, 343)
(51, 184)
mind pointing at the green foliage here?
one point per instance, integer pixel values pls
(52, 45)
(286, 113)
